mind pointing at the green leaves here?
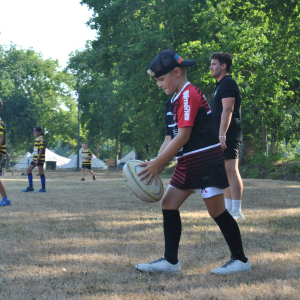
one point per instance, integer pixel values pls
(262, 35)
(34, 92)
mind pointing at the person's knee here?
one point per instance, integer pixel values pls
(166, 203)
(215, 211)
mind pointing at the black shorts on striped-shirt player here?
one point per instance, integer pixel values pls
(86, 166)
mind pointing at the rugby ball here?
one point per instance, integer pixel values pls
(150, 193)
(84, 156)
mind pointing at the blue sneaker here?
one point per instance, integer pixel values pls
(4, 202)
(28, 189)
(41, 191)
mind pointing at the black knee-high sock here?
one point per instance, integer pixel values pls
(172, 232)
(232, 235)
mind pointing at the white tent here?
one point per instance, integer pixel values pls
(51, 156)
(126, 158)
(71, 155)
(24, 162)
(96, 163)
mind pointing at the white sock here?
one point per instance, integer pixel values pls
(228, 204)
(237, 205)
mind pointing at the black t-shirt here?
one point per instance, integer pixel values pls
(227, 88)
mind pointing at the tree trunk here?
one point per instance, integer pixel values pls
(116, 151)
(121, 151)
(97, 149)
(264, 137)
(273, 142)
(139, 155)
(147, 151)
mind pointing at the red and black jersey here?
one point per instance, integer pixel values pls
(200, 160)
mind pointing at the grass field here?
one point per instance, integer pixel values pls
(81, 240)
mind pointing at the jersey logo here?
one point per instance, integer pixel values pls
(215, 93)
(186, 105)
(169, 114)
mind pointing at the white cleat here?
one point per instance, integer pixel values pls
(233, 266)
(238, 216)
(159, 265)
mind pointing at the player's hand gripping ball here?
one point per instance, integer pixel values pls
(149, 193)
(84, 156)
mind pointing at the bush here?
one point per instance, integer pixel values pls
(294, 169)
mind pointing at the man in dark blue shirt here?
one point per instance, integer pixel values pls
(225, 105)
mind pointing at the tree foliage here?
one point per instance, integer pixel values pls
(262, 35)
(35, 92)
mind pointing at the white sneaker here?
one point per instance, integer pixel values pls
(159, 265)
(233, 266)
(238, 216)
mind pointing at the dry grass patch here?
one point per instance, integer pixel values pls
(81, 240)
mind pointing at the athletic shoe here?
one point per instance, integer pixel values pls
(82, 179)
(233, 266)
(238, 215)
(94, 177)
(28, 189)
(159, 265)
(4, 202)
(41, 191)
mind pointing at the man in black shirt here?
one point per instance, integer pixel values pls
(225, 105)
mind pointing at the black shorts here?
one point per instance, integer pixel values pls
(2, 159)
(232, 151)
(39, 164)
(89, 167)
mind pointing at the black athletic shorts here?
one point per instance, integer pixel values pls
(39, 164)
(2, 159)
(86, 166)
(232, 151)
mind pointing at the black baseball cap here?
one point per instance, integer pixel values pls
(38, 128)
(166, 61)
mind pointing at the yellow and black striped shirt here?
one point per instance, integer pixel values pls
(2, 133)
(87, 162)
(39, 144)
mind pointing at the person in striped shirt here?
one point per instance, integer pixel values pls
(38, 160)
(86, 161)
(191, 136)
(5, 201)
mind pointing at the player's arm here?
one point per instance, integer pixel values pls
(164, 145)
(228, 107)
(1, 135)
(153, 166)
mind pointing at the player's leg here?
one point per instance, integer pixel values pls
(82, 173)
(5, 201)
(236, 187)
(92, 173)
(233, 194)
(230, 230)
(29, 174)
(170, 204)
(43, 179)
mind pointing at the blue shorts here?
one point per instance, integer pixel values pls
(39, 164)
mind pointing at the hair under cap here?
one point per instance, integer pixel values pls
(166, 61)
(38, 128)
